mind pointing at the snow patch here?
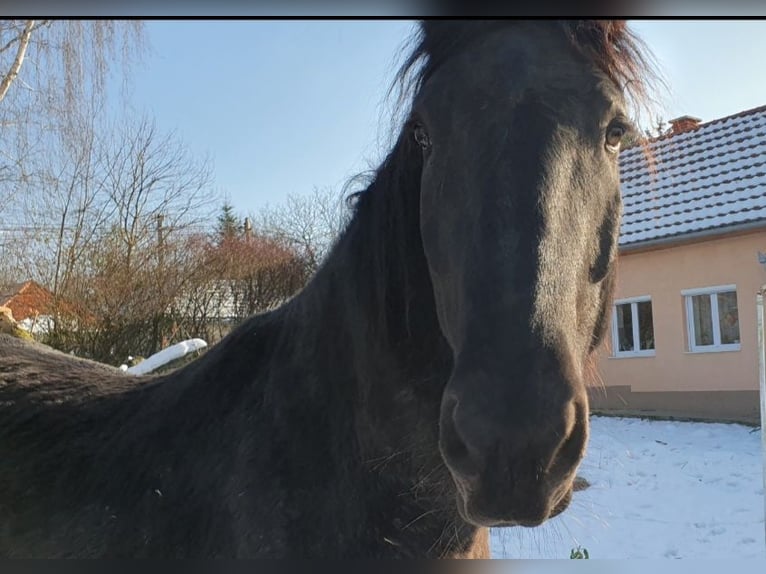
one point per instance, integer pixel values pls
(164, 357)
(658, 489)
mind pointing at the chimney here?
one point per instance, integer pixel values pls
(684, 124)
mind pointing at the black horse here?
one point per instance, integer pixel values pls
(427, 384)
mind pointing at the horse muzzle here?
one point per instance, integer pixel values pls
(513, 464)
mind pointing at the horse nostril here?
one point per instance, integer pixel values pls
(455, 448)
(572, 448)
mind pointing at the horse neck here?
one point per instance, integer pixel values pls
(377, 337)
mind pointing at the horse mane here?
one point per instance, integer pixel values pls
(385, 222)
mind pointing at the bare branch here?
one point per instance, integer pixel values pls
(18, 60)
(310, 224)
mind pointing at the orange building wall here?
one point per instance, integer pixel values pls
(663, 274)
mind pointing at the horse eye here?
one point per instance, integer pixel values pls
(421, 136)
(614, 135)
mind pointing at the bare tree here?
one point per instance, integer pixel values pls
(157, 191)
(48, 69)
(236, 277)
(65, 205)
(56, 62)
(17, 44)
(151, 174)
(309, 224)
(108, 232)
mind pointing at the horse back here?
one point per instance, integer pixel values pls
(56, 414)
(95, 463)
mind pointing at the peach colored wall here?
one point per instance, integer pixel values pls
(663, 274)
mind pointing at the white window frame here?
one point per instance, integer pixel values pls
(632, 301)
(717, 346)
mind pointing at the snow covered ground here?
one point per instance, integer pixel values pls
(659, 489)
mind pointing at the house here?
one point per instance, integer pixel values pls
(682, 339)
(30, 303)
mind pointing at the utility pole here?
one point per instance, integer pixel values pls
(160, 281)
(160, 240)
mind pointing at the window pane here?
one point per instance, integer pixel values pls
(703, 320)
(645, 326)
(728, 317)
(624, 328)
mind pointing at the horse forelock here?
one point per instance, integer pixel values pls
(609, 44)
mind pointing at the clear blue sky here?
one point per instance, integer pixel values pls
(285, 106)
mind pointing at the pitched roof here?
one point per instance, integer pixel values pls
(709, 179)
(27, 299)
(9, 291)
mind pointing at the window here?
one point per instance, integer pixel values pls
(712, 319)
(633, 328)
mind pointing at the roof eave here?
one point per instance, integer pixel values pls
(693, 236)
